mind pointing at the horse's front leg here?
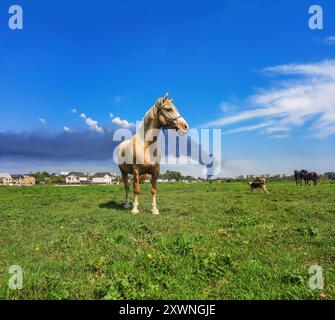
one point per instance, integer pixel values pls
(136, 192)
(126, 187)
(154, 210)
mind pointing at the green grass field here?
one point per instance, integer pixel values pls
(211, 241)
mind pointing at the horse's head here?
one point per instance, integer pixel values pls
(169, 117)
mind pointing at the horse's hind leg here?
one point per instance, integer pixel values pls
(126, 188)
(136, 192)
(154, 210)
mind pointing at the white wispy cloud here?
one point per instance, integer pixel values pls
(118, 99)
(273, 129)
(74, 110)
(92, 123)
(67, 129)
(111, 115)
(43, 121)
(330, 40)
(280, 136)
(248, 128)
(123, 123)
(306, 95)
(226, 107)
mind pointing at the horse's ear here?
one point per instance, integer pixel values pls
(172, 100)
(166, 97)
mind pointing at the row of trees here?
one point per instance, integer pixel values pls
(47, 178)
(330, 175)
(175, 175)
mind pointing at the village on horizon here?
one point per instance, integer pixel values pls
(112, 178)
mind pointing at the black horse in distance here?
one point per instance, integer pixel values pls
(306, 176)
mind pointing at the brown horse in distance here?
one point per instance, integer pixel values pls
(311, 176)
(306, 176)
(141, 155)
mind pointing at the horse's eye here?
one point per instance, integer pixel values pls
(168, 109)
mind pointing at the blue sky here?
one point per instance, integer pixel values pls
(118, 57)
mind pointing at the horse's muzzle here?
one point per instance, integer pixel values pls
(181, 126)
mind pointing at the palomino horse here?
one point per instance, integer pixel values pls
(140, 155)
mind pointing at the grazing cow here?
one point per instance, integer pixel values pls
(140, 156)
(258, 183)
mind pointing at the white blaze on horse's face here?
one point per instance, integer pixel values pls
(170, 118)
(182, 126)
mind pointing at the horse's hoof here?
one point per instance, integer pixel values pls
(155, 212)
(127, 205)
(135, 211)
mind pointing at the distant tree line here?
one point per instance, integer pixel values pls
(47, 178)
(330, 175)
(175, 175)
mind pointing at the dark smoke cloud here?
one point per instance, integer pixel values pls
(32, 150)
(76, 146)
